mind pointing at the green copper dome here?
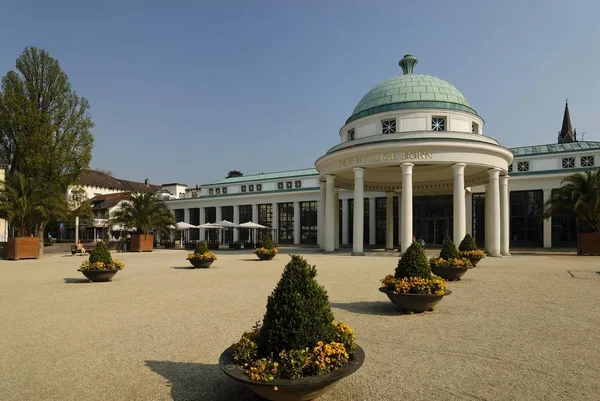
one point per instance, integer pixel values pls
(410, 91)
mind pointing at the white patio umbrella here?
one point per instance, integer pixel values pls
(207, 225)
(182, 225)
(227, 224)
(252, 225)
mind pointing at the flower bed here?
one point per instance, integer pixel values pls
(458, 263)
(432, 285)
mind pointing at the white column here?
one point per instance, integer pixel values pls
(321, 216)
(345, 222)
(336, 201)
(372, 237)
(504, 217)
(495, 203)
(359, 210)
(389, 221)
(219, 218)
(469, 207)
(236, 220)
(202, 221)
(488, 218)
(460, 218)
(407, 207)
(399, 219)
(329, 215)
(275, 221)
(186, 215)
(547, 222)
(297, 223)
(218, 215)
(255, 233)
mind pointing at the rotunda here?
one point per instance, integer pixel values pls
(414, 135)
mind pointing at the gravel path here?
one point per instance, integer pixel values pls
(518, 328)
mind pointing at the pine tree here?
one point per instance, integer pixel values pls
(413, 263)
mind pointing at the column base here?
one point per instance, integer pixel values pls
(496, 255)
(506, 254)
(357, 254)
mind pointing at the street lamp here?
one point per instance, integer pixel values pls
(76, 200)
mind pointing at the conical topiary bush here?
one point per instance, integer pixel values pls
(201, 248)
(101, 254)
(298, 313)
(467, 244)
(265, 242)
(413, 263)
(449, 250)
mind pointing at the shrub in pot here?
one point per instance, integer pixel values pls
(298, 351)
(413, 287)
(100, 266)
(450, 265)
(266, 250)
(201, 258)
(468, 249)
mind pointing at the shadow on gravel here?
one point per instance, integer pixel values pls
(190, 267)
(380, 308)
(198, 381)
(70, 280)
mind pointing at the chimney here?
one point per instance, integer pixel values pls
(146, 182)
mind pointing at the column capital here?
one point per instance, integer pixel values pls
(322, 184)
(389, 194)
(330, 178)
(358, 172)
(407, 168)
(459, 168)
(494, 173)
(504, 180)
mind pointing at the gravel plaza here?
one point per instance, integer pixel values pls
(516, 328)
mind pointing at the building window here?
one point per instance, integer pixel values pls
(297, 184)
(587, 161)
(522, 166)
(526, 209)
(308, 222)
(474, 128)
(438, 123)
(259, 187)
(568, 162)
(265, 214)
(224, 190)
(288, 185)
(210, 191)
(280, 185)
(243, 188)
(510, 168)
(351, 135)
(217, 191)
(286, 223)
(179, 215)
(251, 188)
(388, 126)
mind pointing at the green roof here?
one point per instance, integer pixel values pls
(266, 176)
(555, 148)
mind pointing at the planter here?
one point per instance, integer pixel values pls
(142, 243)
(449, 273)
(474, 261)
(99, 275)
(201, 263)
(416, 303)
(23, 248)
(264, 256)
(303, 389)
(588, 244)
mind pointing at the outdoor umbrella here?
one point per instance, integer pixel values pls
(182, 225)
(252, 225)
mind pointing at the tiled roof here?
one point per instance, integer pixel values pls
(267, 176)
(100, 179)
(555, 148)
(107, 201)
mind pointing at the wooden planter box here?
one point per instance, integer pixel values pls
(142, 243)
(588, 244)
(23, 248)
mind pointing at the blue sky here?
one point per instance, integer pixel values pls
(186, 91)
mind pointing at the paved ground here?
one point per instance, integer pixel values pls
(519, 328)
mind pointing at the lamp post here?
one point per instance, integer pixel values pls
(76, 204)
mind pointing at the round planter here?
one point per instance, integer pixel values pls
(264, 256)
(201, 263)
(303, 389)
(449, 273)
(416, 303)
(474, 261)
(99, 275)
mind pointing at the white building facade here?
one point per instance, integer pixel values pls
(413, 161)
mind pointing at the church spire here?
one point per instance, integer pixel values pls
(566, 134)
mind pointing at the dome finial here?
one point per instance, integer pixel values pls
(408, 63)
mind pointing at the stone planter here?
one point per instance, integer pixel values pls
(98, 275)
(201, 263)
(265, 256)
(474, 261)
(23, 248)
(303, 389)
(142, 243)
(588, 244)
(449, 273)
(414, 303)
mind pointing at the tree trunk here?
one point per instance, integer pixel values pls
(40, 234)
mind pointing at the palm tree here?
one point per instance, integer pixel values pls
(579, 196)
(144, 212)
(28, 204)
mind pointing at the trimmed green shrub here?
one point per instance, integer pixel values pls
(201, 247)
(449, 250)
(413, 263)
(467, 244)
(100, 254)
(298, 313)
(266, 242)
